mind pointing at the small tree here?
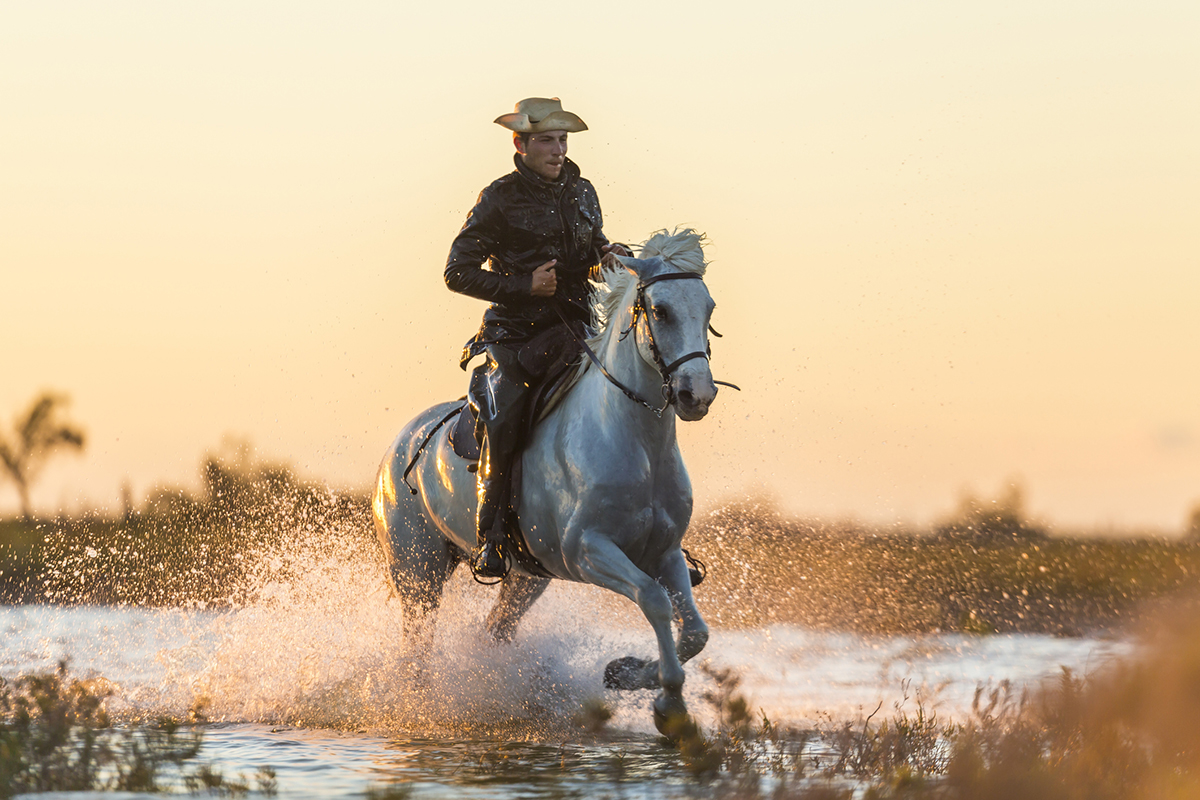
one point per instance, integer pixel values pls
(38, 433)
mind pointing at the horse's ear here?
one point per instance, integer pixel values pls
(632, 264)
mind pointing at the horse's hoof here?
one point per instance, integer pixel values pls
(673, 721)
(660, 723)
(624, 673)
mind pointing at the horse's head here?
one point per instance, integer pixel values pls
(671, 315)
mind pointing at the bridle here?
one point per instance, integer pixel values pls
(664, 369)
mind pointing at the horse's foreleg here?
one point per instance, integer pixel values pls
(636, 673)
(604, 564)
(517, 593)
(693, 632)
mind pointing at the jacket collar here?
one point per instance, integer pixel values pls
(570, 173)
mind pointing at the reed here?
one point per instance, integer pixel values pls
(55, 735)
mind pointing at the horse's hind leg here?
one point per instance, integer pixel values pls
(517, 594)
(419, 582)
(419, 560)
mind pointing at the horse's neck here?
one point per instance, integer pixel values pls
(623, 361)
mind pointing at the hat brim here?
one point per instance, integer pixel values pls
(554, 121)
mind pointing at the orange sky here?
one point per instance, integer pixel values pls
(954, 247)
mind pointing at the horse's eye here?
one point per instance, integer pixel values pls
(660, 313)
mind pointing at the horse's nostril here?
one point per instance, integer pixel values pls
(686, 397)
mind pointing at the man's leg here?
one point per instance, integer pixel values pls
(501, 414)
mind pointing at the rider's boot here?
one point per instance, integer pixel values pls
(489, 559)
(501, 402)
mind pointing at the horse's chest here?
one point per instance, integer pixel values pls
(644, 529)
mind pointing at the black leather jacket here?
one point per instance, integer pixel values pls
(520, 222)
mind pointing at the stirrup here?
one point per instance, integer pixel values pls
(499, 567)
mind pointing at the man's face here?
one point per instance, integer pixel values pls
(544, 153)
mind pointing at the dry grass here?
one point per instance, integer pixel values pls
(1127, 733)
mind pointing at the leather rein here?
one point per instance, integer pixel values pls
(664, 369)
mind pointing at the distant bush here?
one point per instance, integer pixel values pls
(179, 548)
(987, 570)
(764, 568)
(1001, 519)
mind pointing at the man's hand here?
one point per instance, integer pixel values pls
(544, 280)
(611, 251)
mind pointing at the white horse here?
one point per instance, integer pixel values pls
(605, 498)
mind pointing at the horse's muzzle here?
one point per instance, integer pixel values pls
(693, 397)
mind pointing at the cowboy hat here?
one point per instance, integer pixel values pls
(537, 114)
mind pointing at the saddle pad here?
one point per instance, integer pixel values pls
(462, 435)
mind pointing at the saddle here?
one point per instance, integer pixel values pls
(552, 359)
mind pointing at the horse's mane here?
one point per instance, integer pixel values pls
(681, 249)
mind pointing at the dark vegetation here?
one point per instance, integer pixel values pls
(180, 548)
(985, 569)
(37, 434)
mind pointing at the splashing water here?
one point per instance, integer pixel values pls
(313, 639)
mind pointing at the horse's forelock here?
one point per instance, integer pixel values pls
(682, 249)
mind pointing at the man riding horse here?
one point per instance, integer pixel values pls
(539, 229)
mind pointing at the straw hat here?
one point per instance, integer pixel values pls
(537, 114)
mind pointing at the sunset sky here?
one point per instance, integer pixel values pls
(955, 245)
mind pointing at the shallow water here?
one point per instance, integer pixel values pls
(314, 680)
(308, 673)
